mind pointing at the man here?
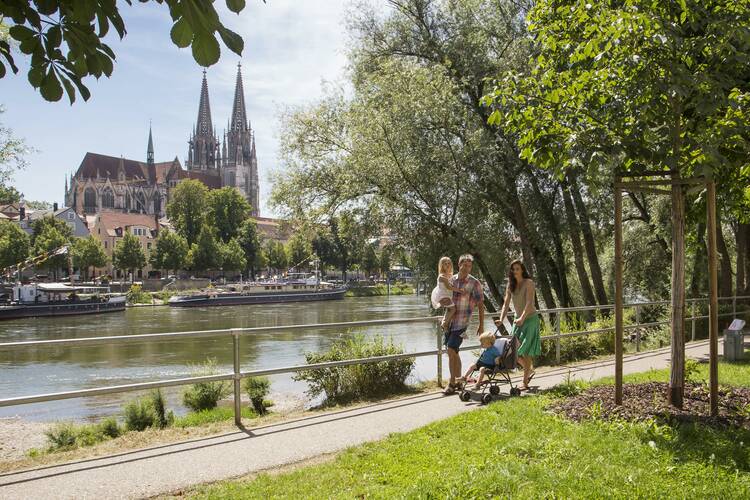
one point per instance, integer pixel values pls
(465, 304)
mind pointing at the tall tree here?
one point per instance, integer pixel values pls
(233, 256)
(298, 250)
(64, 41)
(128, 255)
(640, 86)
(187, 208)
(14, 244)
(170, 251)
(250, 241)
(205, 253)
(227, 209)
(369, 259)
(87, 253)
(50, 234)
(275, 255)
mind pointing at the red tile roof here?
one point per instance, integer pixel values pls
(96, 165)
(112, 220)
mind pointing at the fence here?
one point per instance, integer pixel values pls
(237, 374)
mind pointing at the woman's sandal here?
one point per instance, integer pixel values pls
(531, 376)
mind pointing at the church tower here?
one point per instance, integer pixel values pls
(150, 148)
(203, 146)
(240, 165)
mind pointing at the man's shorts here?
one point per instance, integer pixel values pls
(453, 339)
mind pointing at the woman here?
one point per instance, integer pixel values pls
(520, 290)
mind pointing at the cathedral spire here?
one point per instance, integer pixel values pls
(150, 149)
(204, 126)
(239, 117)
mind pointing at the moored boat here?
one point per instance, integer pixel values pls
(58, 299)
(272, 292)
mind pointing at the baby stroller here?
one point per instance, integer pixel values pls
(508, 346)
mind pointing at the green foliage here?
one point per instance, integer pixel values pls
(110, 428)
(65, 41)
(206, 253)
(369, 259)
(380, 290)
(88, 252)
(250, 241)
(136, 295)
(349, 383)
(49, 234)
(128, 254)
(227, 209)
(569, 387)
(298, 250)
(203, 417)
(233, 256)
(67, 435)
(162, 417)
(205, 395)
(62, 436)
(14, 244)
(9, 194)
(187, 208)
(170, 251)
(275, 254)
(139, 415)
(257, 389)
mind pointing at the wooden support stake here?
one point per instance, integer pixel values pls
(618, 295)
(713, 304)
(677, 372)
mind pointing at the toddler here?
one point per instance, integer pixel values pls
(486, 360)
(442, 294)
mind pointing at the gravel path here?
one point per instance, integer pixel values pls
(174, 467)
(17, 436)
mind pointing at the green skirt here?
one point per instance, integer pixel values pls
(528, 334)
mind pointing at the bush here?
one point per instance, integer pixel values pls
(348, 383)
(136, 295)
(257, 389)
(205, 395)
(110, 428)
(162, 418)
(61, 436)
(139, 415)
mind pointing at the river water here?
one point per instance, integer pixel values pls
(45, 370)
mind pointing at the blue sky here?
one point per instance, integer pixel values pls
(291, 46)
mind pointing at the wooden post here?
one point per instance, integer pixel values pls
(618, 294)
(713, 304)
(677, 373)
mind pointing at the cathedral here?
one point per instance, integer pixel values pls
(106, 183)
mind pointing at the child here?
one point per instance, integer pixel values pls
(442, 294)
(487, 359)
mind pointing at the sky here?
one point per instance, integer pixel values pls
(291, 48)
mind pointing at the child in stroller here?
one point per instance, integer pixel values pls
(495, 364)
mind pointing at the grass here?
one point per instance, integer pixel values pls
(517, 448)
(203, 417)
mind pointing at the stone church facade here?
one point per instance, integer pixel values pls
(109, 184)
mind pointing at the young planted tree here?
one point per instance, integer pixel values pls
(187, 208)
(227, 210)
(170, 251)
(632, 87)
(87, 253)
(14, 244)
(128, 255)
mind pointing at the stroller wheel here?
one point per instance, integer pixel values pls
(515, 391)
(464, 396)
(494, 390)
(486, 399)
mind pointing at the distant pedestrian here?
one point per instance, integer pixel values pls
(526, 326)
(470, 296)
(442, 294)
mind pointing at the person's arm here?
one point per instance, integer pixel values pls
(506, 306)
(449, 285)
(480, 328)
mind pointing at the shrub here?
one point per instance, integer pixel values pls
(139, 415)
(136, 295)
(349, 383)
(205, 395)
(257, 389)
(162, 418)
(110, 428)
(61, 436)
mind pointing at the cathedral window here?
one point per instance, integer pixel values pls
(128, 203)
(89, 200)
(157, 204)
(108, 198)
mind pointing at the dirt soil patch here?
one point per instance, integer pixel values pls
(648, 401)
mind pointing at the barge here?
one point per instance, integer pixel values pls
(58, 299)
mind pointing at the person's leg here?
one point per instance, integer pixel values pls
(470, 371)
(480, 378)
(454, 364)
(527, 365)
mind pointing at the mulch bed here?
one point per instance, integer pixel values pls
(649, 401)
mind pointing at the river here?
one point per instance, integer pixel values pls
(45, 370)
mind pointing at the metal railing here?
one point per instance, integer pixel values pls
(236, 333)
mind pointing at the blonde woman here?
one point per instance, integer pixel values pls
(521, 293)
(442, 294)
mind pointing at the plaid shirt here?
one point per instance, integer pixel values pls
(465, 303)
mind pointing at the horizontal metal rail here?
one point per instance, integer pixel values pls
(236, 333)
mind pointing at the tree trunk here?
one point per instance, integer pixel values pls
(677, 373)
(743, 230)
(725, 264)
(575, 240)
(589, 243)
(699, 277)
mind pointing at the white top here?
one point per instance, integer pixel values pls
(439, 293)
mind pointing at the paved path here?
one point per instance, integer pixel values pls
(167, 468)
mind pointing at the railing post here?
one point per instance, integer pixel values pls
(637, 330)
(557, 337)
(237, 388)
(692, 323)
(734, 306)
(439, 357)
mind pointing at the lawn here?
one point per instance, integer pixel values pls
(517, 448)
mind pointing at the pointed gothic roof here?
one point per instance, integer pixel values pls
(239, 115)
(204, 126)
(150, 149)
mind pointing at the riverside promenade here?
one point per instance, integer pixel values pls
(174, 467)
